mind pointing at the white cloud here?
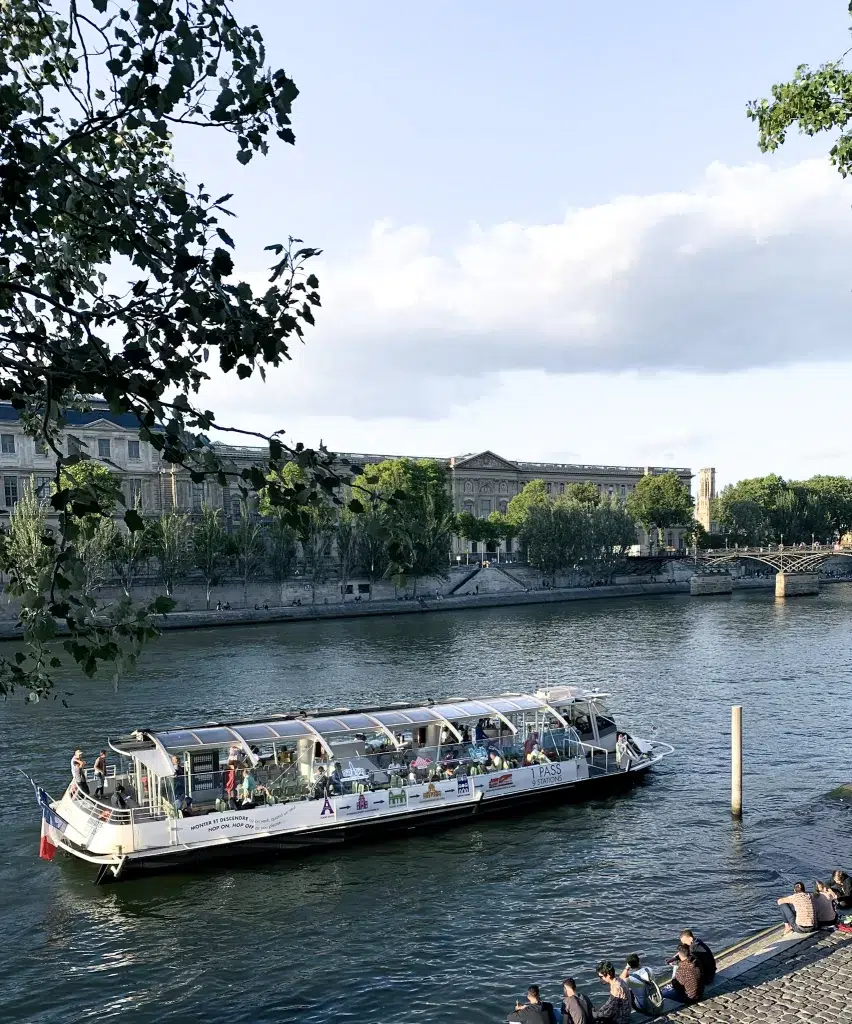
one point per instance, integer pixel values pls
(626, 306)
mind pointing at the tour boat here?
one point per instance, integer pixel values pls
(323, 778)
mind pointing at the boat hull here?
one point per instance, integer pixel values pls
(351, 832)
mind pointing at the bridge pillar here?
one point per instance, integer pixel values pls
(708, 583)
(796, 584)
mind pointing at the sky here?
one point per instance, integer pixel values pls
(547, 231)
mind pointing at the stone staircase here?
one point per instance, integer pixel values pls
(492, 580)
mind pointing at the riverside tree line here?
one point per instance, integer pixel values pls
(399, 528)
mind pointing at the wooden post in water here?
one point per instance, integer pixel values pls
(737, 760)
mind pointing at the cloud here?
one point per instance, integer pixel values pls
(749, 268)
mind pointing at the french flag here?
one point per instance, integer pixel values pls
(51, 822)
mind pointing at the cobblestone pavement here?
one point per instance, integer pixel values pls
(811, 983)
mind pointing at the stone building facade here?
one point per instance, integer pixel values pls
(479, 483)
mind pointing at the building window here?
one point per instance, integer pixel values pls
(623, 490)
(363, 588)
(549, 488)
(73, 444)
(133, 451)
(562, 488)
(236, 507)
(183, 494)
(40, 446)
(670, 541)
(468, 506)
(197, 497)
(42, 485)
(508, 545)
(485, 506)
(7, 444)
(10, 490)
(103, 448)
(503, 506)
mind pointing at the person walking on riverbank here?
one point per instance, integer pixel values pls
(618, 1007)
(798, 910)
(576, 1007)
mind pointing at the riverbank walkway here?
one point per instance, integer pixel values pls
(777, 979)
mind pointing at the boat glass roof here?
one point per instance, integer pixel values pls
(341, 724)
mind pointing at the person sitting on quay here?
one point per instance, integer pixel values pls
(618, 1007)
(825, 905)
(576, 1007)
(534, 1011)
(702, 953)
(687, 984)
(798, 910)
(640, 981)
(841, 883)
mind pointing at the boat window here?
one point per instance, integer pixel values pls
(218, 735)
(179, 738)
(294, 728)
(465, 709)
(503, 705)
(526, 703)
(422, 715)
(361, 723)
(326, 726)
(255, 732)
(391, 718)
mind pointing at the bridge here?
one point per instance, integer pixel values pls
(797, 568)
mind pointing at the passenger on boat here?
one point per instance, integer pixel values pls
(235, 754)
(576, 1007)
(99, 769)
(179, 780)
(229, 785)
(618, 1007)
(465, 734)
(248, 787)
(535, 1010)
(530, 741)
(798, 910)
(825, 907)
(702, 953)
(497, 763)
(841, 883)
(78, 771)
(622, 753)
(687, 984)
(336, 780)
(537, 756)
(322, 784)
(479, 737)
(117, 798)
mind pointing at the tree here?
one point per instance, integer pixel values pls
(248, 548)
(116, 277)
(210, 548)
(24, 543)
(659, 503)
(555, 536)
(346, 545)
(172, 544)
(742, 519)
(418, 514)
(373, 541)
(129, 553)
(613, 532)
(281, 548)
(836, 495)
(585, 495)
(94, 547)
(533, 494)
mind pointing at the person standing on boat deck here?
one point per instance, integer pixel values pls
(479, 737)
(534, 1011)
(99, 769)
(179, 780)
(798, 910)
(576, 1007)
(702, 953)
(78, 771)
(622, 753)
(229, 784)
(618, 1007)
(687, 984)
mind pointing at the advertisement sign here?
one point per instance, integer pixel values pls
(504, 781)
(547, 775)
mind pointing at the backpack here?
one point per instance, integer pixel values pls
(651, 1002)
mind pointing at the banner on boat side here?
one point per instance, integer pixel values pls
(231, 824)
(547, 775)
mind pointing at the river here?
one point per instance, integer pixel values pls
(437, 928)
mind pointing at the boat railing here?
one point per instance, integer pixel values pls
(110, 773)
(99, 811)
(595, 751)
